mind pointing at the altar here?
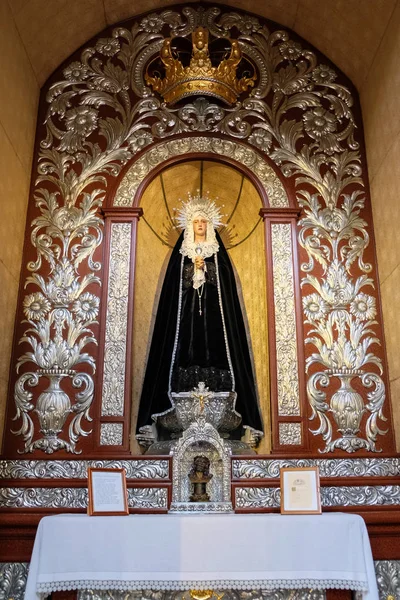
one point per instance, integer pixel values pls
(203, 552)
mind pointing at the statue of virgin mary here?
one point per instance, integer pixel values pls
(199, 335)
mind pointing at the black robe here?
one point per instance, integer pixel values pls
(200, 353)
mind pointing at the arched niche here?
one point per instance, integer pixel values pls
(262, 248)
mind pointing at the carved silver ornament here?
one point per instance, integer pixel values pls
(388, 579)
(144, 498)
(111, 434)
(260, 497)
(285, 321)
(112, 403)
(256, 468)
(100, 115)
(290, 434)
(201, 438)
(231, 149)
(77, 469)
(226, 594)
(13, 578)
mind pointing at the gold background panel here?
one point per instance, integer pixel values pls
(244, 240)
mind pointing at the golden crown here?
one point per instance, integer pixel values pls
(200, 76)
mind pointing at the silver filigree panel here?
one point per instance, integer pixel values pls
(13, 578)
(388, 579)
(111, 434)
(214, 487)
(231, 149)
(145, 498)
(259, 497)
(201, 438)
(77, 469)
(290, 434)
(226, 594)
(285, 320)
(116, 321)
(100, 115)
(333, 467)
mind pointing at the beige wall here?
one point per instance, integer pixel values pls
(19, 92)
(380, 100)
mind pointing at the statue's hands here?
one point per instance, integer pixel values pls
(199, 262)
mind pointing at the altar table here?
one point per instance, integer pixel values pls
(207, 551)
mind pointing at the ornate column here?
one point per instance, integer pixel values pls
(289, 430)
(114, 390)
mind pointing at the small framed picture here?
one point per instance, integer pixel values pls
(300, 491)
(107, 492)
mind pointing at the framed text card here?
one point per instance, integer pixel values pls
(107, 492)
(300, 491)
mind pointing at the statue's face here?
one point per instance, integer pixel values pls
(200, 227)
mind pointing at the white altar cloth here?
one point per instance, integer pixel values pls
(180, 552)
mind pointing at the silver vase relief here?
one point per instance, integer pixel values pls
(101, 114)
(60, 317)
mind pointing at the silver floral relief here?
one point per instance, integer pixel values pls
(77, 469)
(342, 320)
(226, 594)
(145, 498)
(257, 497)
(116, 321)
(13, 578)
(285, 321)
(101, 115)
(148, 498)
(256, 468)
(290, 434)
(231, 149)
(60, 317)
(260, 497)
(388, 579)
(111, 434)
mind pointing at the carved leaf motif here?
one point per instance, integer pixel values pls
(100, 114)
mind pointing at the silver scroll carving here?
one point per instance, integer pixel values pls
(14, 575)
(388, 578)
(77, 469)
(285, 321)
(101, 115)
(332, 467)
(227, 595)
(144, 498)
(116, 321)
(13, 578)
(259, 497)
(231, 149)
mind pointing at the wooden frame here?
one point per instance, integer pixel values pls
(115, 492)
(300, 491)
